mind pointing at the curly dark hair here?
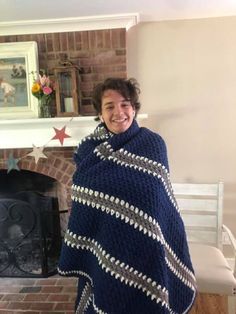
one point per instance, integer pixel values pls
(128, 88)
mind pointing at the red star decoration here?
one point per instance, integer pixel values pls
(60, 134)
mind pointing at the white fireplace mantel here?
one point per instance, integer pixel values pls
(26, 132)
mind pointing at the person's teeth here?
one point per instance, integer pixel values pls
(120, 120)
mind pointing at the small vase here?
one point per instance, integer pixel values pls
(44, 109)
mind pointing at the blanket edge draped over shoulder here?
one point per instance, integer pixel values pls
(125, 239)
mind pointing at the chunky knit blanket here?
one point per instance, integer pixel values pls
(126, 240)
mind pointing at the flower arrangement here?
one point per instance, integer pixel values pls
(43, 89)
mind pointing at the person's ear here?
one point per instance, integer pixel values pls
(101, 118)
(134, 113)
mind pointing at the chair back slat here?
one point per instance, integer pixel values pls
(201, 209)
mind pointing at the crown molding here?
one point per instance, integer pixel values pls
(69, 24)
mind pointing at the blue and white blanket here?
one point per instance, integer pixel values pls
(126, 240)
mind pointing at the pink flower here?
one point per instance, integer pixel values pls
(44, 80)
(47, 90)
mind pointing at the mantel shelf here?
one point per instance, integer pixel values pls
(24, 133)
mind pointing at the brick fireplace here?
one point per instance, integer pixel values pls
(18, 138)
(53, 294)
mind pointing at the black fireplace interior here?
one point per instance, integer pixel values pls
(30, 233)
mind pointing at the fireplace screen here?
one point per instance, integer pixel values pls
(30, 237)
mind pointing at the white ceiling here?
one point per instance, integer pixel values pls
(49, 16)
(149, 10)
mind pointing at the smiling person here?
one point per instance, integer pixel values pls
(125, 239)
(116, 110)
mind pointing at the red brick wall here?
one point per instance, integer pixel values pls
(99, 54)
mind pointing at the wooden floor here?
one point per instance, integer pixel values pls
(210, 304)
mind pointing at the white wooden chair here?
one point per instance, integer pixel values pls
(201, 209)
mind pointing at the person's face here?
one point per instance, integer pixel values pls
(116, 112)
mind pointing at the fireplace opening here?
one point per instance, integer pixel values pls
(30, 232)
(25, 180)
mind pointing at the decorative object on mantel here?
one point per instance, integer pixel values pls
(43, 89)
(17, 59)
(67, 88)
(60, 135)
(37, 152)
(12, 163)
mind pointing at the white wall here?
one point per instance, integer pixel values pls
(187, 74)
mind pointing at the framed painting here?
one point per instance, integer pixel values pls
(17, 62)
